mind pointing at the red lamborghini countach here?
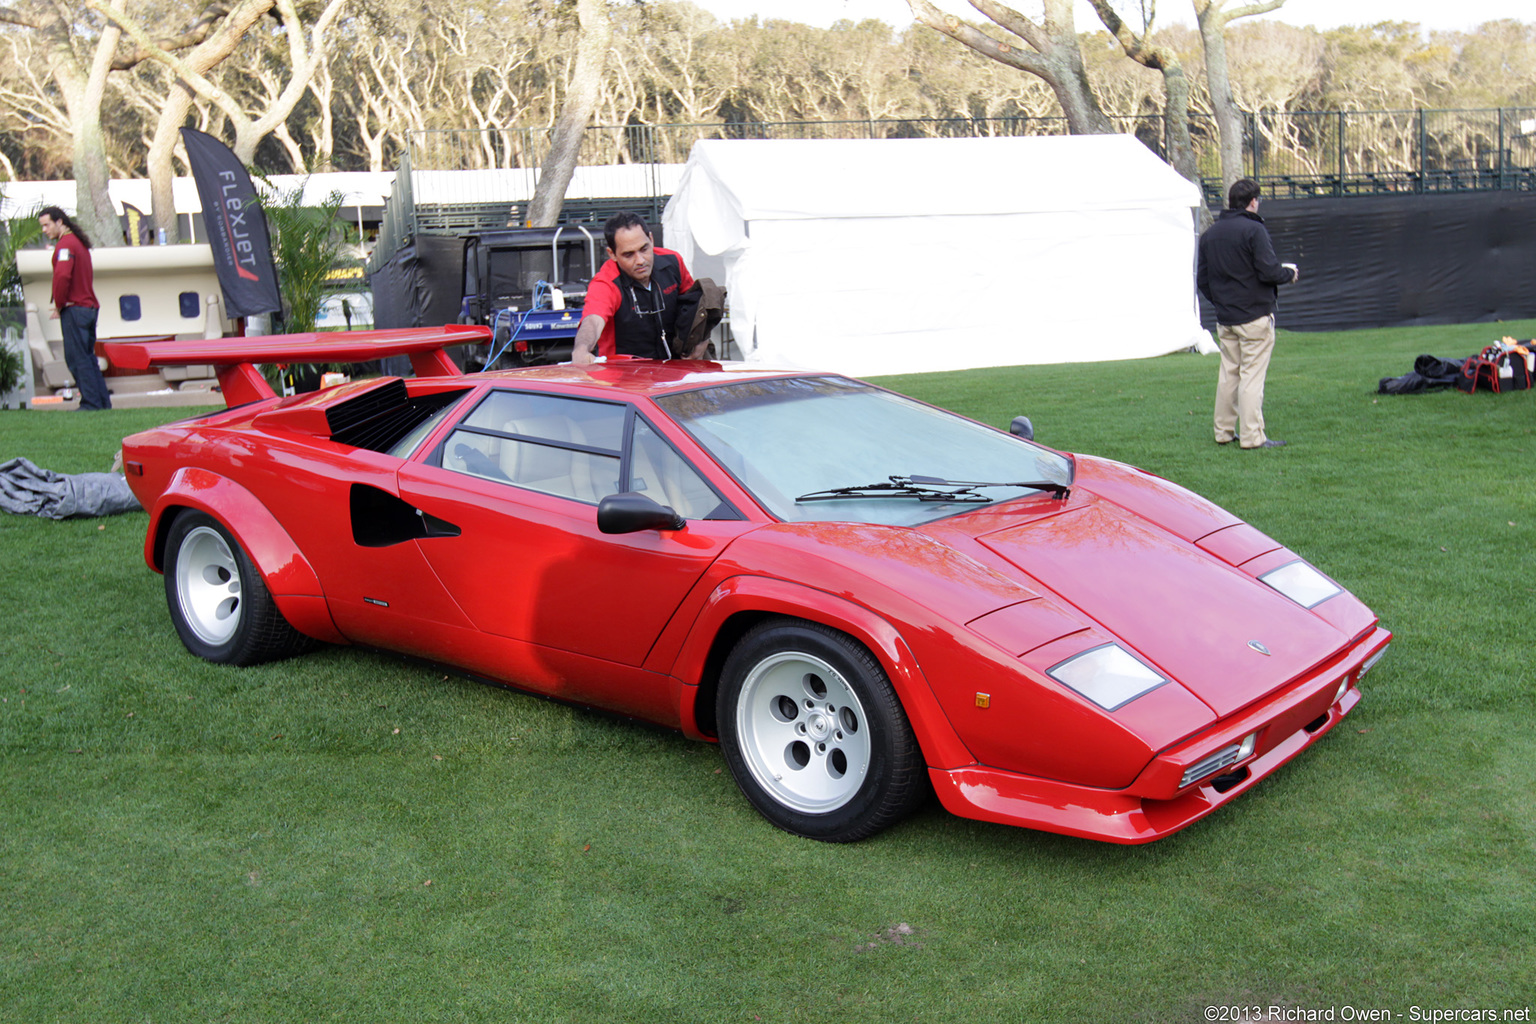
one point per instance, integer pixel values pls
(859, 596)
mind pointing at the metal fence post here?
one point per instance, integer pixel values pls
(407, 193)
(1501, 148)
(1338, 186)
(1253, 144)
(1423, 183)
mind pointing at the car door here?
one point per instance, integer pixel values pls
(339, 507)
(521, 477)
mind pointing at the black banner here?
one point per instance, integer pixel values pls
(237, 229)
(1403, 260)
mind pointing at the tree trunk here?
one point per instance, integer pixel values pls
(1181, 151)
(162, 153)
(68, 33)
(1084, 117)
(1229, 119)
(82, 90)
(593, 39)
(162, 145)
(323, 88)
(93, 202)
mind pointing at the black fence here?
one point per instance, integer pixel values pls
(1313, 154)
(1336, 152)
(1297, 155)
(1438, 229)
(1405, 260)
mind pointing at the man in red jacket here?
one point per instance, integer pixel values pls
(75, 305)
(632, 303)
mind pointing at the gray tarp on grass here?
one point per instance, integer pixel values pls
(28, 490)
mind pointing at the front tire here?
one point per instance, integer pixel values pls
(815, 735)
(221, 607)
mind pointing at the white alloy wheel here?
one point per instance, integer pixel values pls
(219, 603)
(208, 586)
(803, 732)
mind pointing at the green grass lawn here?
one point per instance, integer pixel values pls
(351, 837)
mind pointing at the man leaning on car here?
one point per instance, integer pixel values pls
(1239, 274)
(636, 303)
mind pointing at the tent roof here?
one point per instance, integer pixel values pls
(815, 178)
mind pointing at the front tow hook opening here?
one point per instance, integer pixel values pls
(1228, 780)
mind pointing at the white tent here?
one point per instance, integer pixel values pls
(900, 256)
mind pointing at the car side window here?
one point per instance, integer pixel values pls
(563, 446)
(659, 473)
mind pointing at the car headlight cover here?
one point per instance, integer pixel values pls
(1109, 675)
(1301, 583)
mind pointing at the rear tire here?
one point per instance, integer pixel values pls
(221, 607)
(815, 735)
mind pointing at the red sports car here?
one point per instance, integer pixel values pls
(859, 596)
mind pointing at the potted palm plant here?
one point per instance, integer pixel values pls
(308, 240)
(15, 234)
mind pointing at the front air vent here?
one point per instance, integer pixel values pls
(1223, 758)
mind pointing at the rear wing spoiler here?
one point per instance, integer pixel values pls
(235, 359)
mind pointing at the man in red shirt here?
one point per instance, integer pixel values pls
(75, 305)
(632, 303)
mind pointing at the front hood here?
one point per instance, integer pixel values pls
(1187, 613)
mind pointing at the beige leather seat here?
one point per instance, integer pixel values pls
(661, 475)
(555, 470)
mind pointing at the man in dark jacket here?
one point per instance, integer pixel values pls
(1239, 274)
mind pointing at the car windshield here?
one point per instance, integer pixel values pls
(790, 441)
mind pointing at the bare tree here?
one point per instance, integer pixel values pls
(956, 81)
(79, 56)
(81, 44)
(1056, 57)
(399, 70)
(581, 98)
(33, 125)
(1213, 19)
(178, 102)
(1141, 48)
(685, 58)
(1385, 67)
(306, 48)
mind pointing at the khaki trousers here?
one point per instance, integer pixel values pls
(1245, 352)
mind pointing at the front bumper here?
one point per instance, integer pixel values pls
(1283, 724)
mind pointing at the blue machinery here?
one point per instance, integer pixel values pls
(534, 329)
(532, 332)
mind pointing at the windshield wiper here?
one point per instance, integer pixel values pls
(928, 488)
(1058, 489)
(899, 487)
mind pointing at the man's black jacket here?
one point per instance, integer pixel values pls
(1238, 271)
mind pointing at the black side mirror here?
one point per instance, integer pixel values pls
(1021, 427)
(629, 512)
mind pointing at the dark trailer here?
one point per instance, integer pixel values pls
(527, 284)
